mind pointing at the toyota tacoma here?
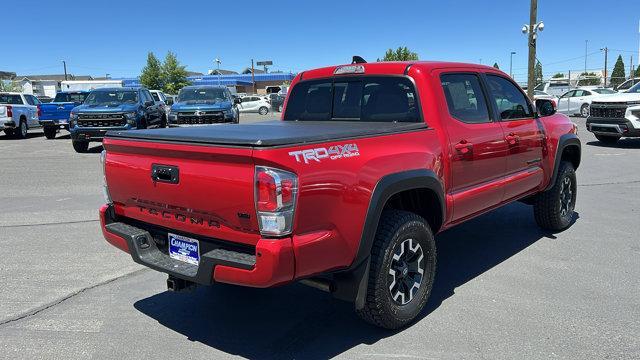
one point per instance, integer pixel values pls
(346, 192)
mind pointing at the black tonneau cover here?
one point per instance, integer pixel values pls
(270, 133)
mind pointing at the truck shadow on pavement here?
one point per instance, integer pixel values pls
(295, 321)
(626, 143)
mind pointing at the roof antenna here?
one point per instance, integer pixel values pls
(358, 60)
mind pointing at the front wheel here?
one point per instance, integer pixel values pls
(609, 140)
(584, 110)
(50, 132)
(554, 208)
(402, 269)
(163, 122)
(80, 146)
(263, 110)
(9, 132)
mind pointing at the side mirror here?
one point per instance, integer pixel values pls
(148, 103)
(237, 101)
(169, 101)
(545, 107)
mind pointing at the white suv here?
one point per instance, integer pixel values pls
(255, 103)
(615, 116)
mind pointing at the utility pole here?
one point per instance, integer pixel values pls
(533, 15)
(586, 45)
(606, 53)
(511, 64)
(253, 78)
(64, 63)
(631, 74)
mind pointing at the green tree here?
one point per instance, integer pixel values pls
(637, 72)
(558, 75)
(617, 75)
(589, 78)
(400, 54)
(537, 74)
(152, 76)
(175, 75)
(10, 86)
(495, 65)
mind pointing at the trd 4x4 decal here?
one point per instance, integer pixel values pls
(332, 152)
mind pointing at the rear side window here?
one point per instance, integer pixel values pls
(155, 96)
(465, 98)
(371, 99)
(510, 101)
(10, 99)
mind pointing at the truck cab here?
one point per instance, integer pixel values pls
(124, 108)
(55, 115)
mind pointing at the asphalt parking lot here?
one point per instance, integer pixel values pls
(504, 288)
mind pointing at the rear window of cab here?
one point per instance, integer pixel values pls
(363, 98)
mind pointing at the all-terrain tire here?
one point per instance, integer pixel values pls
(553, 209)
(80, 146)
(395, 229)
(609, 140)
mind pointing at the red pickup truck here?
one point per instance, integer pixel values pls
(346, 192)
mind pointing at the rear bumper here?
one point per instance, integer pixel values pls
(57, 123)
(7, 123)
(272, 262)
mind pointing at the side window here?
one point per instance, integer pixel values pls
(29, 99)
(569, 94)
(510, 101)
(465, 98)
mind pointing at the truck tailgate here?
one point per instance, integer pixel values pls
(211, 195)
(55, 111)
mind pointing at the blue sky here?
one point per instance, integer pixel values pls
(114, 36)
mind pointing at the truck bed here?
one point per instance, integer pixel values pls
(270, 133)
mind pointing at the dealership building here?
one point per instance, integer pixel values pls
(242, 83)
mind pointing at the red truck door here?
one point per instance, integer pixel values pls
(477, 144)
(523, 134)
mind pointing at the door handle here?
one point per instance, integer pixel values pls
(463, 147)
(512, 139)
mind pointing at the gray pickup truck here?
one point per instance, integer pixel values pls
(18, 113)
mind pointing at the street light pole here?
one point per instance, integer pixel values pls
(606, 53)
(586, 44)
(533, 15)
(511, 63)
(64, 63)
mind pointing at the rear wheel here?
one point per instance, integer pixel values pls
(80, 146)
(263, 110)
(163, 121)
(554, 208)
(50, 132)
(609, 140)
(21, 131)
(403, 263)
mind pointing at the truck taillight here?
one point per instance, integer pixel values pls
(105, 188)
(39, 111)
(275, 195)
(9, 111)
